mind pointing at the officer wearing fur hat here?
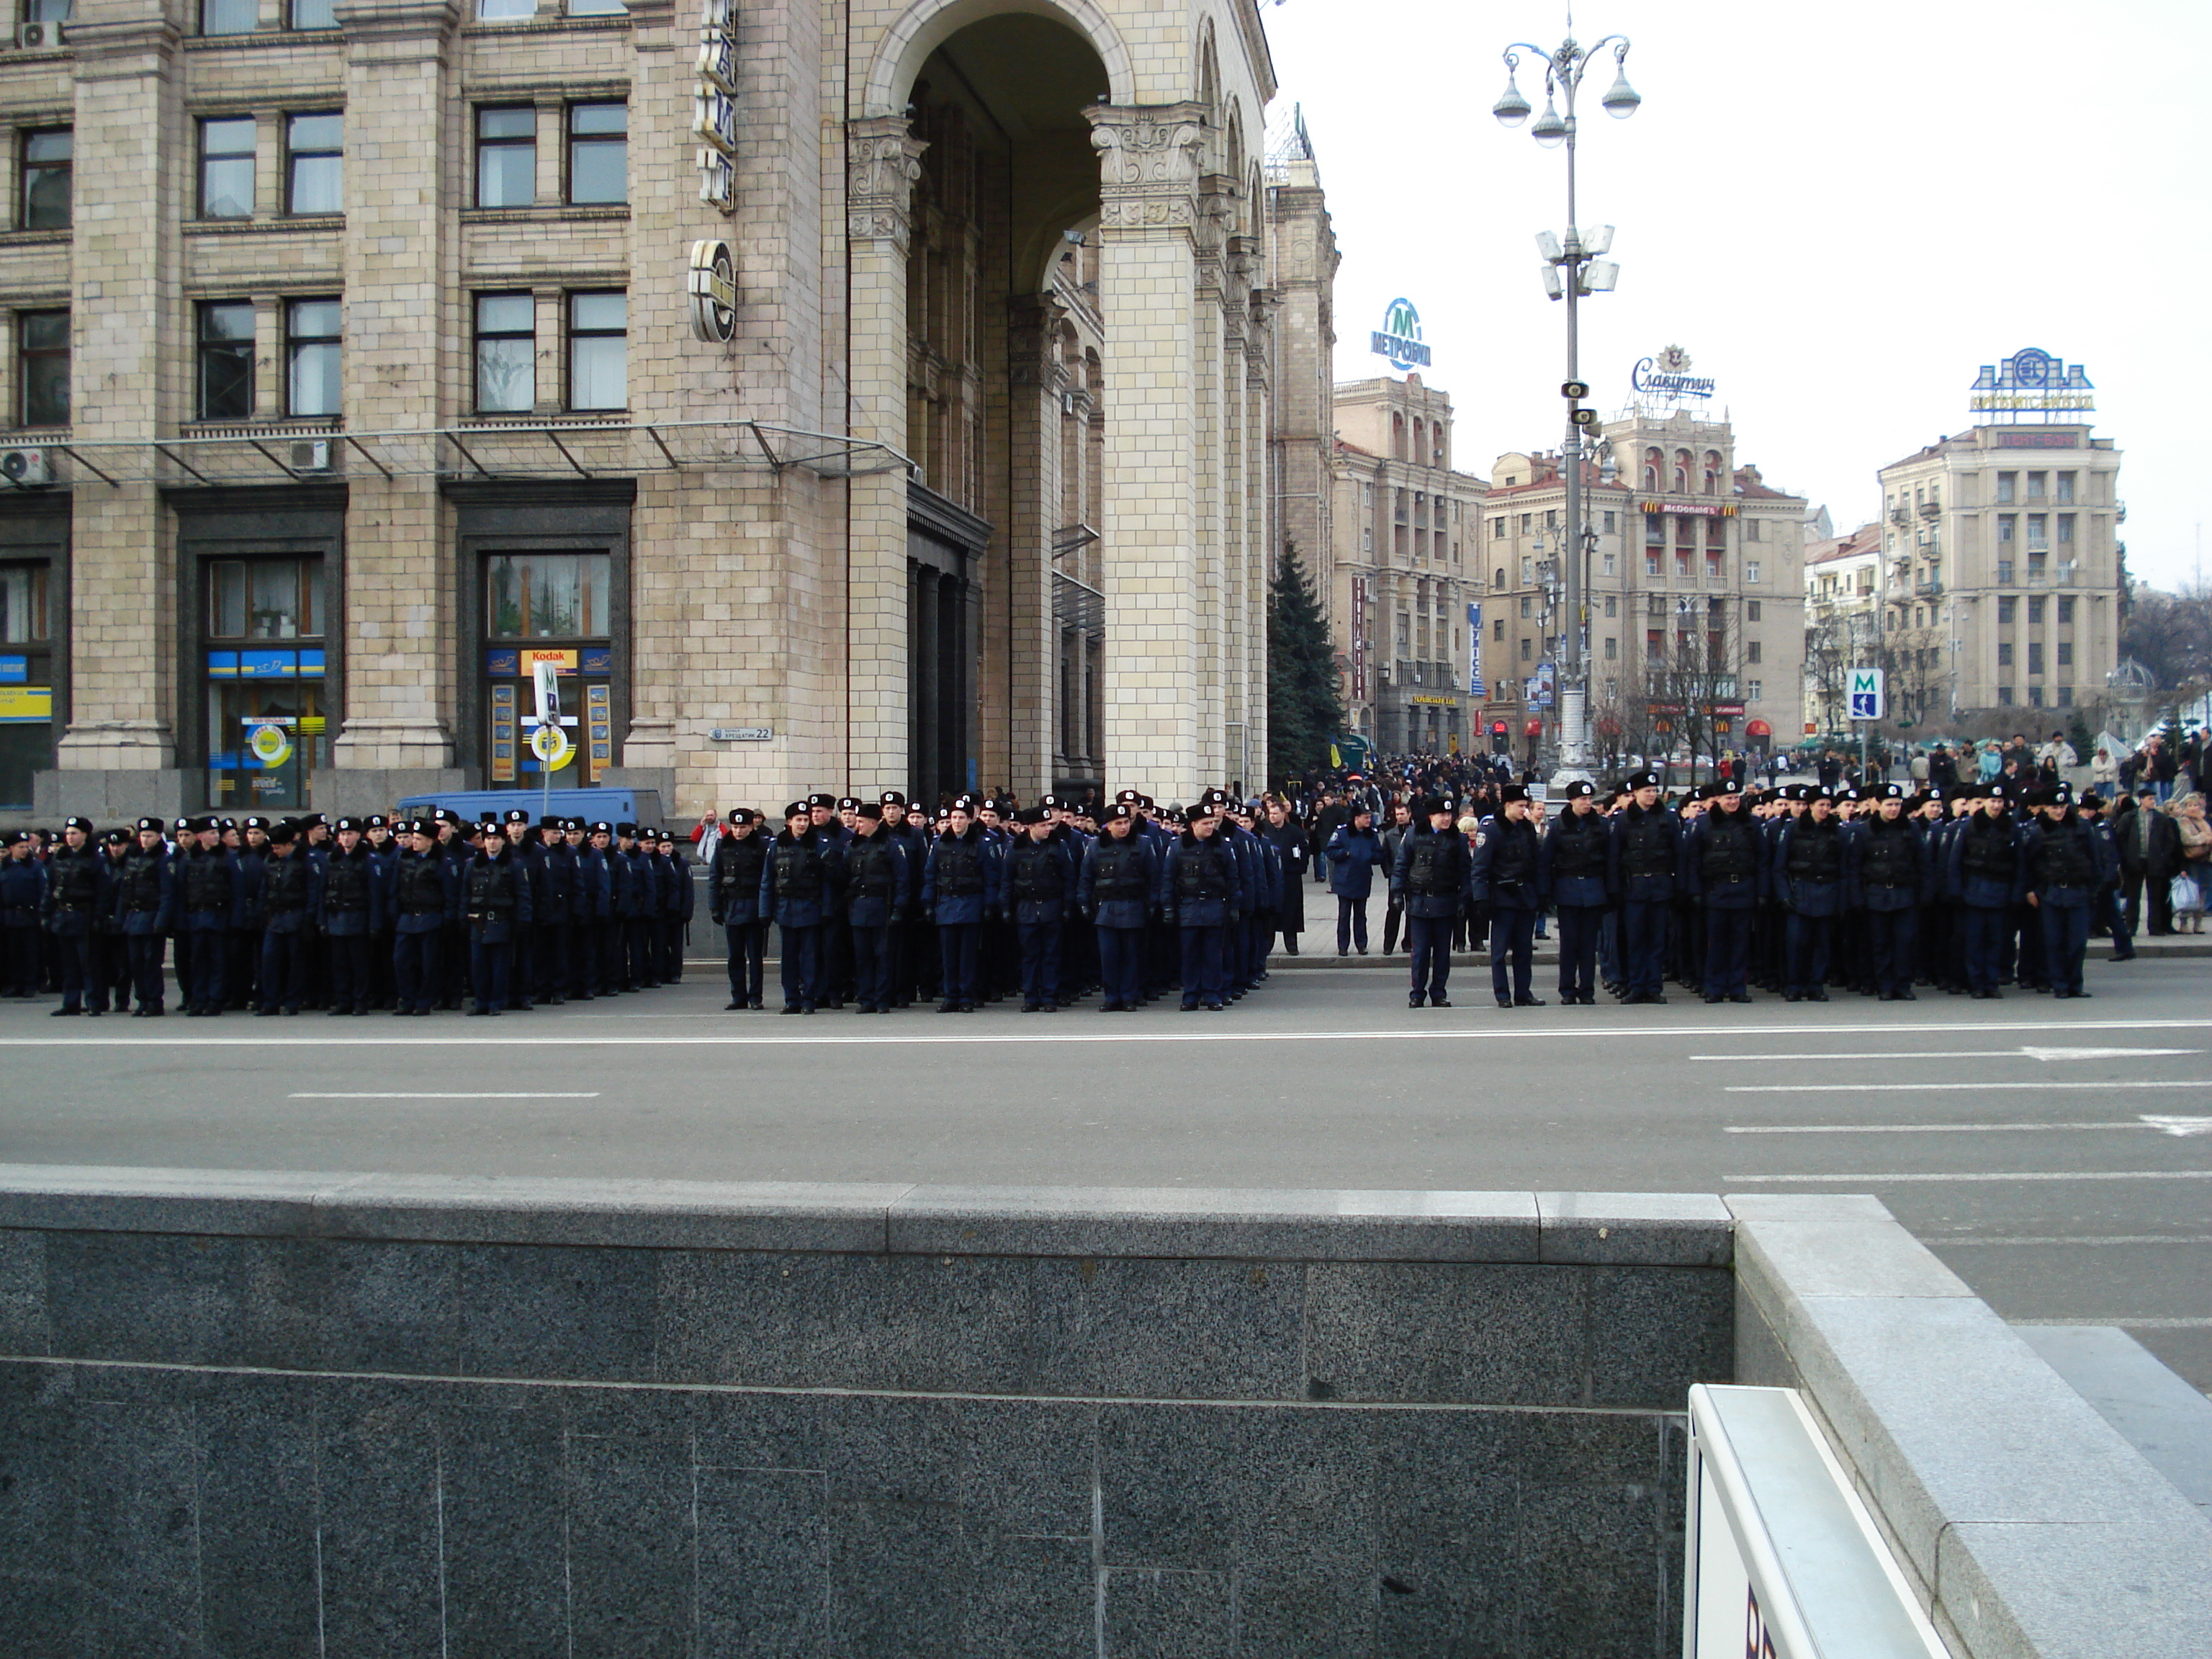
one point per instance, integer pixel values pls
(1507, 876)
(733, 903)
(2064, 862)
(1432, 878)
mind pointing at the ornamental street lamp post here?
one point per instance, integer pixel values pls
(1571, 270)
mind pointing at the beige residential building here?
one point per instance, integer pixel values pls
(875, 396)
(1694, 590)
(2003, 553)
(1402, 578)
(1843, 619)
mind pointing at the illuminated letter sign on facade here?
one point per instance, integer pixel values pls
(1399, 340)
(714, 108)
(1665, 377)
(2034, 383)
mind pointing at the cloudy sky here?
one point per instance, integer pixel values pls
(1840, 212)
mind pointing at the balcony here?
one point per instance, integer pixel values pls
(1927, 590)
(1900, 515)
(2056, 575)
(1931, 509)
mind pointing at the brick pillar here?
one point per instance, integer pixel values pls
(882, 162)
(129, 378)
(1150, 156)
(404, 627)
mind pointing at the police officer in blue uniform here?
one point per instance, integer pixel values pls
(2064, 863)
(1723, 868)
(1201, 895)
(75, 885)
(1572, 860)
(1984, 874)
(1508, 877)
(1040, 878)
(1808, 879)
(1432, 880)
(800, 885)
(206, 875)
(1888, 879)
(22, 896)
(145, 904)
(1121, 876)
(875, 904)
(423, 895)
(495, 902)
(290, 893)
(734, 905)
(1646, 848)
(350, 913)
(960, 889)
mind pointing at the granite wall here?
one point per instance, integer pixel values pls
(269, 1415)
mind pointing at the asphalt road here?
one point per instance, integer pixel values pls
(2057, 1156)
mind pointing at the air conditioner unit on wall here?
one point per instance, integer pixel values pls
(312, 455)
(25, 467)
(37, 37)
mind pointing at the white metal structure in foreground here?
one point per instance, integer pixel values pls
(1781, 1559)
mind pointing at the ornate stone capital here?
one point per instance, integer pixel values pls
(1150, 156)
(882, 159)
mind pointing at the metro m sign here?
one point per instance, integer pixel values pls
(1866, 694)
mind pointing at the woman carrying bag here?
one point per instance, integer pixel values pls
(2188, 888)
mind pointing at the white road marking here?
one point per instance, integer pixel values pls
(2177, 1125)
(512, 1094)
(1920, 1128)
(2100, 1053)
(1541, 1030)
(1992, 1083)
(1872, 1180)
(2062, 1238)
(1964, 1054)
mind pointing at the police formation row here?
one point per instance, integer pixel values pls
(1791, 890)
(275, 915)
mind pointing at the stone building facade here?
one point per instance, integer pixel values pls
(1694, 587)
(2004, 570)
(357, 362)
(1403, 572)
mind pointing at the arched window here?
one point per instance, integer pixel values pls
(1397, 437)
(1681, 472)
(1713, 472)
(1651, 459)
(1416, 456)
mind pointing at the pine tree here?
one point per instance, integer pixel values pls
(1303, 709)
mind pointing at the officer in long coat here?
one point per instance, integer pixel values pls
(1352, 854)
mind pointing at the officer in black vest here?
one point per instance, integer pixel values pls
(351, 909)
(1722, 868)
(145, 903)
(595, 971)
(875, 904)
(1646, 846)
(1885, 860)
(1432, 880)
(207, 896)
(1808, 876)
(799, 890)
(286, 902)
(554, 862)
(1039, 879)
(1507, 877)
(733, 903)
(495, 902)
(1572, 859)
(1199, 895)
(76, 882)
(2065, 863)
(1984, 873)
(1120, 875)
(423, 891)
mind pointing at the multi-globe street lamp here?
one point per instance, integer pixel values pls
(1571, 271)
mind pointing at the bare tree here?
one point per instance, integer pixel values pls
(1696, 673)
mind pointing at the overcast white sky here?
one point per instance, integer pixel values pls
(1841, 212)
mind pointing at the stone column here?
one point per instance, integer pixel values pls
(129, 370)
(1036, 379)
(882, 160)
(1149, 157)
(404, 630)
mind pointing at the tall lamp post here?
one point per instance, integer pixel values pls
(1571, 270)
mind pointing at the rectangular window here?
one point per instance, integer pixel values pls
(1653, 644)
(1527, 650)
(226, 167)
(1612, 523)
(1651, 561)
(1527, 521)
(2007, 486)
(2065, 654)
(2005, 611)
(43, 184)
(1612, 605)
(1751, 570)
(23, 616)
(230, 16)
(1526, 603)
(2066, 530)
(598, 350)
(264, 599)
(2065, 486)
(2035, 696)
(1750, 651)
(506, 353)
(226, 360)
(42, 367)
(1611, 567)
(2008, 525)
(2065, 696)
(314, 154)
(2065, 610)
(1497, 530)
(1528, 570)
(507, 155)
(2039, 533)
(598, 153)
(1682, 562)
(2004, 697)
(2035, 610)
(2005, 654)
(597, 7)
(2004, 572)
(1498, 630)
(1751, 610)
(264, 671)
(2035, 482)
(312, 382)
(546, 596)
(2035, 656)
(505, 11)
(1611, 648)
(1753, 691)
(313, 15)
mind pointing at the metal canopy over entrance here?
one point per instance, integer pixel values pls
(554, 449)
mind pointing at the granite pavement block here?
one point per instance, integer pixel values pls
(40, 1590)
(892, 1449)
(23, 1325)
(1654, 1331)
(631, 1578)
(503, 1464)
(895, 1572)
(549, 1311)
(144, 1295)
(1205, 1330)
(1171, 1481)
(1447, 1492)
(137, 1528)
(2078, 1591)
(927, 1323)
(393, 1308)
(757, 1429)
(1667, 1229)
(1020, 1597)
(259, 1510)
(1025, 1467)
(1422, 1332)
(1155, 1614)
(763, 1562)
(1245, 1223)
(1306, 1610)
(381, 1481)
(1308, 1497)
